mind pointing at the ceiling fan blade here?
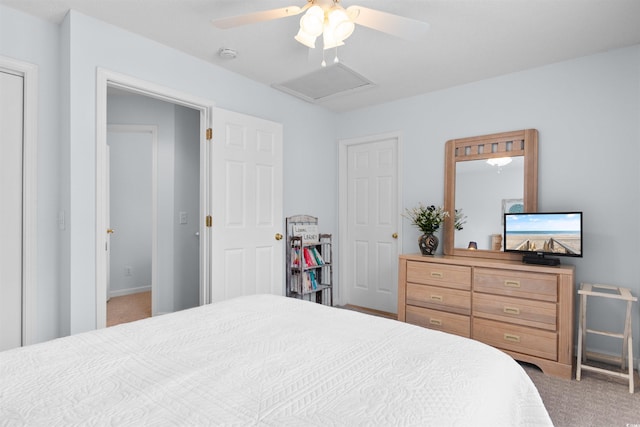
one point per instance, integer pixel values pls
(251, 18)
(395, 25)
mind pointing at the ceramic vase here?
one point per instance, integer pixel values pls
(428, 244)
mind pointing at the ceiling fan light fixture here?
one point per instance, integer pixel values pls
(312, 22)
(329, 40)
(340, 23)
(334, 23)
(344, 29)
(337, 14)
(306, 38)
(353, 12)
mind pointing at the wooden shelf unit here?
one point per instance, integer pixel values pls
(524, 310)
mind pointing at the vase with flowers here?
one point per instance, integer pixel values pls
(428, 220)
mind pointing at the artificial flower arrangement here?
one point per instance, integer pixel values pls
(429, 218)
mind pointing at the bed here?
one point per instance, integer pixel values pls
(265, 360)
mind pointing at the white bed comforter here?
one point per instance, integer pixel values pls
(265, 360)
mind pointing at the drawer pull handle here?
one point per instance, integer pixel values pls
(511, 310)
(512, 338)
(512, 283)
(437, 274)
(436, 322)
(436, 298)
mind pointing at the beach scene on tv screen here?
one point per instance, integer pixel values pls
(549, 233)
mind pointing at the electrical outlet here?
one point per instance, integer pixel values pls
(183, 217)
(128, 270)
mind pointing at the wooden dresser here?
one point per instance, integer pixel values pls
(524, 310)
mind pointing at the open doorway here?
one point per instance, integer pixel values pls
(242, 171)
(151, 234)
(153, 205)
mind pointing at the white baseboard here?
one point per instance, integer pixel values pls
(129, 291)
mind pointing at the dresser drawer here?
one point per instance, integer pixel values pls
(520, 284)
(450, 276)
(438, 298)
(534, 342)
(439, 320)
(537, 314)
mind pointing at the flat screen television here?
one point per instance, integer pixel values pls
(541, 236)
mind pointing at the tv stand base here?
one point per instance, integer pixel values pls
(540, 260)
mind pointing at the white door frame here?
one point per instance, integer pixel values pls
(106, 78)
(153, 131)
(29, 72)
(343, 145)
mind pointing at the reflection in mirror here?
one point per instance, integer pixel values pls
(482, 192)
(484, 198)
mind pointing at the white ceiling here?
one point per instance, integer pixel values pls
(468, 40)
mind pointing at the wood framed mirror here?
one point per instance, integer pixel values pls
(483, 191)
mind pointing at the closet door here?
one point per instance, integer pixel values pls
(11, 146)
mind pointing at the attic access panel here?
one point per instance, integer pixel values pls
(325, 83)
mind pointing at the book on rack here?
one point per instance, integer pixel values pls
(317, 256)
(306, 282)
(312, 278)
(309, 259)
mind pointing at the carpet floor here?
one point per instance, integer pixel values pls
(128, 308)
(594, 401)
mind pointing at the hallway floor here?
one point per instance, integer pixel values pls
(128, 308)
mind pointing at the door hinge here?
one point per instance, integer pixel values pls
(209, 221)
(209, 134)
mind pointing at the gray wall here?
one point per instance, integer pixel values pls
(587, 112)
(38, 44)
(186, 289)
(67, 56)
(130, 207)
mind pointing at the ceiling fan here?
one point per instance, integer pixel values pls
(335, 23)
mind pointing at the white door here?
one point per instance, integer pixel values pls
(372, 224)
(247, 218)
(11, 146)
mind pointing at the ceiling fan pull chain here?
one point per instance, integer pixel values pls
(323, 63)
(336, 60)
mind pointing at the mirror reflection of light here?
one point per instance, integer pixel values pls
(499, 161)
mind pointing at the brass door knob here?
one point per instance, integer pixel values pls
(110, 231)
(278, 236)
(394, 235)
